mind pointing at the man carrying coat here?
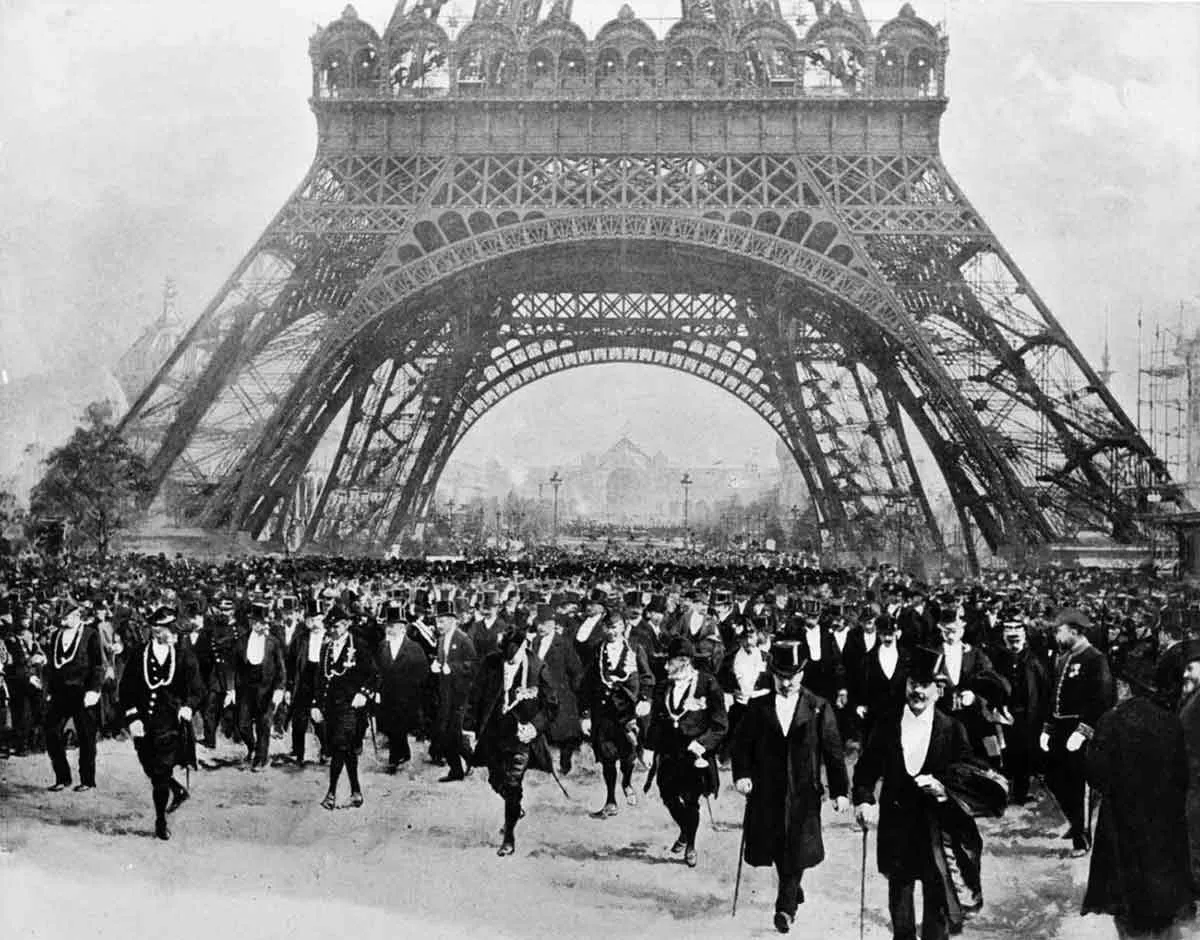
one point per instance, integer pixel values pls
(912, 753)
(778, 748)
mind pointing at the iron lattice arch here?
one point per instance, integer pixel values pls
(805, 250)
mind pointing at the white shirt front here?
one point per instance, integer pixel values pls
(586, 628)
(747, 667)
(339, 644)
(394, 644)
(812, 637)
(161, 651)
(256, 648)
(839, 637)
(870, 639)
(952, 654)
(612, 653)
(544, 646)
(915, 732)
(785, 710)
(315, 639)
(695, 622)
(889, 656)
(510, 673)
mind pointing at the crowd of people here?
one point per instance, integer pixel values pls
(925, 704)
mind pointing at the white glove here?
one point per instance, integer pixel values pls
(744, 786)
(230, 697)
(585, 727)
(185, 713)
(1075, 741)
(641, 709)
(526, 732)
(316, 716)
(35, 682)
(358, 701)
(91, 699)
(841, 804)
(137, 729)
(109, 672)
(1044, 741)
(277, 697)
(435, 667)
(842, 698)
(469, 737)
(967, 698)
(861, 711)
(866, 814)
(696, 748)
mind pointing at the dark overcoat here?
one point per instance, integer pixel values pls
(533, 703)
(783, 809)
(1189, 716)
(566, 675)
(908, 818)
(1140, 864)
(401, 679)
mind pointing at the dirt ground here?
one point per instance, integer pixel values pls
(255, 855)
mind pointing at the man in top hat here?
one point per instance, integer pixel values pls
(958, 663)
(615, 693)
(454, 664)
(912, 753)
(1029, 681)
(688, 722)
(589, 634)
(303, 664)
(160, 689)
(73, 677)
(1083, 690)
(565, 672)
(215, 651)
(512, 706)
(487, 628)
(345, 680)
(778, 748)
(403, 668)
(260, 675)
(695, 623)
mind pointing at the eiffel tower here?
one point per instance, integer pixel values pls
(764, 208)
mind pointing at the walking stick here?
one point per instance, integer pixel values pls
(862, 890)
(374, 743)
(737, 883)
(708, 803)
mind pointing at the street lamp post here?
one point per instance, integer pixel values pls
(686, 481)
(555, 481)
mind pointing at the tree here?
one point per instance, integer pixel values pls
(93, 482)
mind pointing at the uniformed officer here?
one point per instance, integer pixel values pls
(1083, 690)
(688, 722)
(159, 690)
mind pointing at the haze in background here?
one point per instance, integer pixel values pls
(142, 141)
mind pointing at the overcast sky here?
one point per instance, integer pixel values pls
(140, 140)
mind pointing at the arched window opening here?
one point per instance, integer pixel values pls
(608, 68)
(335, 74)
(710, 68)
(541, 69)
(366, 68)
(889, 69)
(680, 68)
(572, 70)
(639, 68)
(418, 67)
(834, 68)
(920, 74)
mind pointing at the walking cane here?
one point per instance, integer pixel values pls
(862, 890)
(737, 883)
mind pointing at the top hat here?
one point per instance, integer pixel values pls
(922, 665)
(444, 609)
(788, 658)
(393, 612)
(337, 614)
